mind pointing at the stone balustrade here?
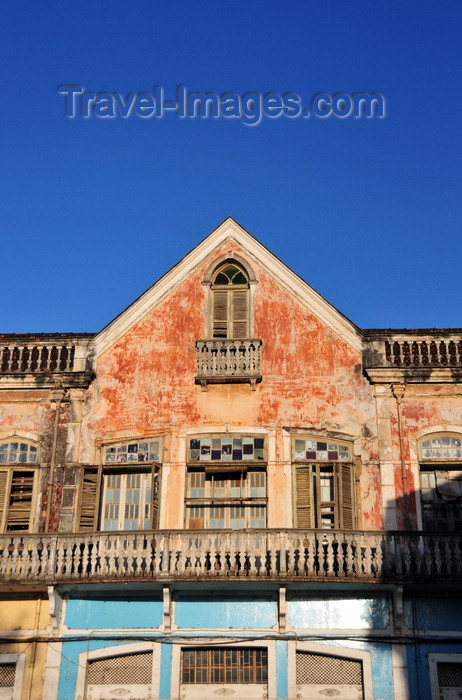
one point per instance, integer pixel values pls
(24, 355)
(228, 361)
(270, 555)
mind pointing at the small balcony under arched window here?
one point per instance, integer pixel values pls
(229, 354)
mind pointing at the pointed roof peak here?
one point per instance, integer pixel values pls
(229, 230)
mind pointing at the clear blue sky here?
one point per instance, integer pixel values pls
(367, 211)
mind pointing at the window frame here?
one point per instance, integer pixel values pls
(327, 650)
(176, 684)
(433, 660)
(92, 487)
(228, 469)
(113, 652)
(19, 661)
(230, 258)
(308, 505)
(430, 465)
(9, 470)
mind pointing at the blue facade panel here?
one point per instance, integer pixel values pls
(225, 612)
(339, 613)
(90, 613)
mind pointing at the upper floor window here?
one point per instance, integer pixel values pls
(17, 451)
(123, 493)
(225, 488)
(324, 487)
(17, 485)
(230, 302)
(441, 482)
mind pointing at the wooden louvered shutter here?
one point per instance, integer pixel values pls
(220, 315)
(303, 496)
(239, 313)
(3, 494)
(155, 499)
(89, 499)
(346, 497)
(20, 501)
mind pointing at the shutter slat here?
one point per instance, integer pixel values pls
(347, 496)
(20, 501)
(88, 503)
(220, 314)
(3, 490)
(303, 485)
(240, 314)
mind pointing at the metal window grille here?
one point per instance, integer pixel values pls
(450, 675)
(327, 670)
(7, 674)
(225, 666)
(123, 670)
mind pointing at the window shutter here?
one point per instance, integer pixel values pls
(20, 506)
(89, 499)
(240, 313)
(220, 314)
(303, 490)
(155, 499)
(346, 496)
(3, 494)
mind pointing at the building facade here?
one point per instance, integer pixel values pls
(231, 491)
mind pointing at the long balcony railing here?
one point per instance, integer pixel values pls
(223, 361)
(414, 350)
(292, 555)
(42, 354)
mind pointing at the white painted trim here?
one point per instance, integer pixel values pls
(400, 672)
(19, 660)
(175, 682)
(433, 660)
(113, 651)
(330, 650)
(229, 230)
(52, 668)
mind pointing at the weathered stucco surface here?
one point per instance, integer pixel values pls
(312, 379)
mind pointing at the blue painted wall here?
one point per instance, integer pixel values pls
(113, 614)
(439, 614)
(336, 613)
(225, 612)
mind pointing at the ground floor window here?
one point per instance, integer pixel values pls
(319, 675)
(226, 499)
(225, 666)
(445, 676)
(11, 675)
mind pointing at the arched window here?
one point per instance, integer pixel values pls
(230, 317)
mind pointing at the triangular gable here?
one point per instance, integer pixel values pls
(229, 230)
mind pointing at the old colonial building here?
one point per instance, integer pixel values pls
(231, 491)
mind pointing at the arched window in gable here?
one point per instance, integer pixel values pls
(230, 313)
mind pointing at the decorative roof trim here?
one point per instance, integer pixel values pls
(231, 231)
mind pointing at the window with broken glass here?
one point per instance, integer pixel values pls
(323, 482)
(17, 484)
(441, 482)
(224, 487)
(123, 493)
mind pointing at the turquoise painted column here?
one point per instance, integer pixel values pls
(282, 679)
(165, 671)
